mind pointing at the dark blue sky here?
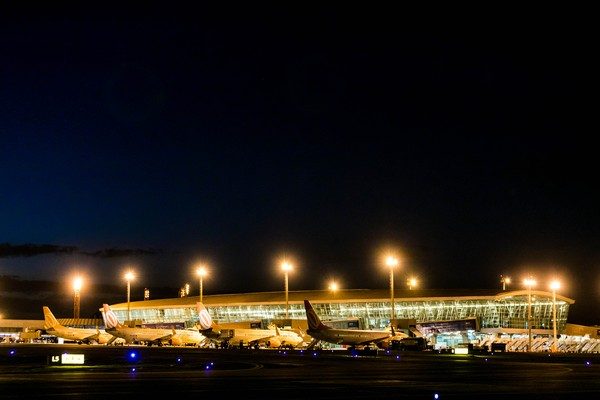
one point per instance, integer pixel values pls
(234, 138)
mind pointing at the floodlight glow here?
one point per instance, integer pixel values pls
(391, 261)
(77, 283)
(529, 282)
(201, 271)
(286, 266)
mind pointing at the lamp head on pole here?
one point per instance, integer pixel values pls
(201, 271)
(412, 282)
(529, 282)
(286, 266)
(77, 283)
(554, 285)
(391, 261)
(333, 286)
(129, 276)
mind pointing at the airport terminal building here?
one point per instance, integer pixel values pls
(444, 317)
(486, 311)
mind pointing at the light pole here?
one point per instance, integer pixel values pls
(77, 283)
(391, 262)
(505, 280)
(286, 267)
(554, 285)
(201, 271)
(128, 277)
(529, 282)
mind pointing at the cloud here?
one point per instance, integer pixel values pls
(30, 250)
(115, 252)
(14, 284)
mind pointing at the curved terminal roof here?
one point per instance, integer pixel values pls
(341, 295)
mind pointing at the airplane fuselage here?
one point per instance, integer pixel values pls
(135, 335)
(350, 337)
(158, 336)
(87, 335)
(270, 337)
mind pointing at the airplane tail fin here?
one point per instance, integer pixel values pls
(109, 317)
(272, 326)
(49, 320)
(204, 318)
(314, 322)
(207, 327)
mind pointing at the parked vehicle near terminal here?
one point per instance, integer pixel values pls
(498, 347)
(410, 344)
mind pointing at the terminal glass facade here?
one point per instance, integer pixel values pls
(499, 313)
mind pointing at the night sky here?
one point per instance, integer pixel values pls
(158, 139)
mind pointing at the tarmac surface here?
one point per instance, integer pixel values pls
(109, 372)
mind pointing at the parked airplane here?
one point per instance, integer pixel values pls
(231, 335)
(150, 336)
(350, 337)
(79, 335)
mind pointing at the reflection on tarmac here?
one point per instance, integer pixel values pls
(33, 370)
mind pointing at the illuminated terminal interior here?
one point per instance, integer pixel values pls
(494, 311)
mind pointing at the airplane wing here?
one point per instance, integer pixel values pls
(164, 337)
(91, 336)
(375, 339)
(251, 337)
(262, 339)
(150, 337)
(287, 338)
